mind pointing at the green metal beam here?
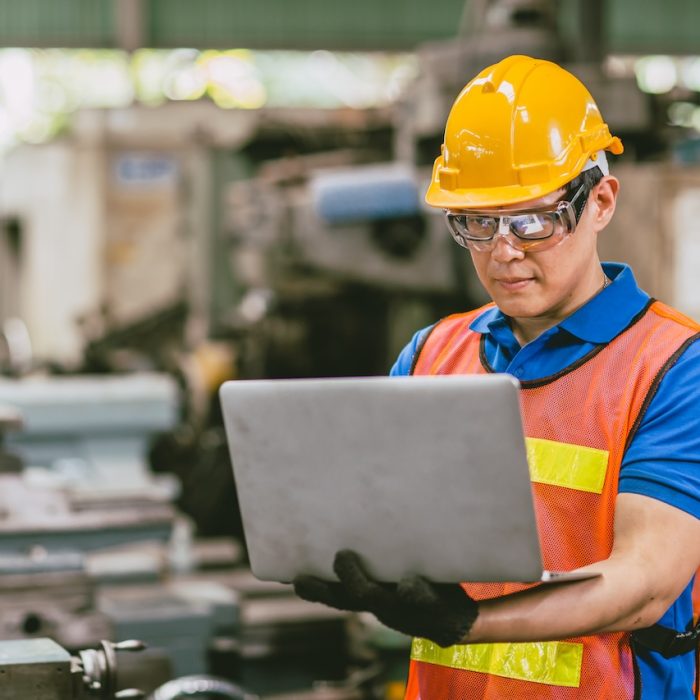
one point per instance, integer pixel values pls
(68, 23)
(302, 24)
(654, 26)
(632, 26)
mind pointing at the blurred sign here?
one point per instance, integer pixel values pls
(145, 170)
(145, 247)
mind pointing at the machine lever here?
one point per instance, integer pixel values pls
(130, 694)
(129, 645)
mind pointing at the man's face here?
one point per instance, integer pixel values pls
(542, 283)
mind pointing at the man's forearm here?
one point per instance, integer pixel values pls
(620, 599)
(655, 555)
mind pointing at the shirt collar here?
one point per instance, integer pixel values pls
(599, 320)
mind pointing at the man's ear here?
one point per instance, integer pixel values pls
(604, 196)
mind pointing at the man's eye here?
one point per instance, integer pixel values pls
(480, 226)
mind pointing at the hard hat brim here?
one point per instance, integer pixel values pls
(486, 197)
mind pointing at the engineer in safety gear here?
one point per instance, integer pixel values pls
(610, 383)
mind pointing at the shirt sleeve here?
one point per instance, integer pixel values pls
(663, 460)
(402, 366)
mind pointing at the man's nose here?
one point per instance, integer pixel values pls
(503, 250)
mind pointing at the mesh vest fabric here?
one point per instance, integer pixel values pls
(577, 426)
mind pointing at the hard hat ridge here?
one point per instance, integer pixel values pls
(493, 81)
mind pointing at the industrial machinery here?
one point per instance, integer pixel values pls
(74, 481)
(42, 670)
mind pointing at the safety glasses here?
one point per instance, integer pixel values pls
(525, 231)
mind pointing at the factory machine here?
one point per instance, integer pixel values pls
(92, 550)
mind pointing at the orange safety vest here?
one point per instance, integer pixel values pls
(578, 424)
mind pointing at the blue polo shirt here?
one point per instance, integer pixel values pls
(663, 460)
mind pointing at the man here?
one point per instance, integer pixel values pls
(610, 379)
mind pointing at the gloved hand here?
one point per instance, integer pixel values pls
(443, 613)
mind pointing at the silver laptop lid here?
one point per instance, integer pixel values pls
(419, 475)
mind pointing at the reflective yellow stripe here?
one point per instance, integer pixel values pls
(563, 464)
(552, 663)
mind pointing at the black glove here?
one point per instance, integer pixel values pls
(443, 613)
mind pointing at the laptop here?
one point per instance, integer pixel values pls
(418, 475)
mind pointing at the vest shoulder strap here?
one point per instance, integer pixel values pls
(665, 311)
(445, 327)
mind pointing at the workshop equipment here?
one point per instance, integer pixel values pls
(89, 435)
(41, 669)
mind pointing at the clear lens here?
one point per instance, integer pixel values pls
(480, 226)
(533, 226)
(526, 231)
(472, 227)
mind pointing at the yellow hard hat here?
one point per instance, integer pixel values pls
(520, 129)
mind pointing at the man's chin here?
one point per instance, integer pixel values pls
(519, 306)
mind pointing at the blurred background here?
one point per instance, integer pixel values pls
(192, 192)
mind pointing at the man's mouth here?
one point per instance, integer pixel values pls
(513, 283)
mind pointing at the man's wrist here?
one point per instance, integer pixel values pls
(473, 635)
